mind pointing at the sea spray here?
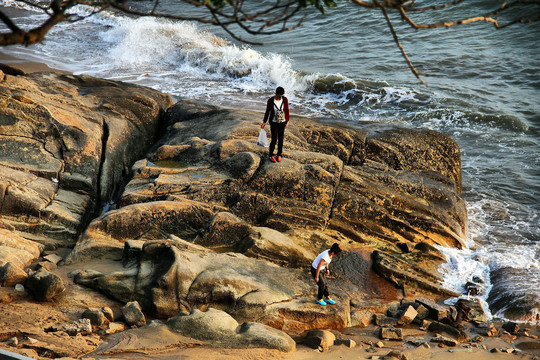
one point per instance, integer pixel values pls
(499, 277)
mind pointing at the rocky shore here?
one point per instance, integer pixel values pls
(132, 223)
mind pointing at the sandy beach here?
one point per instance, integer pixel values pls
(24, 65)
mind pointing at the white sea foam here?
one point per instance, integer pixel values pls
(154, 44)
(18, 5)
(157, 46)
(489, 218)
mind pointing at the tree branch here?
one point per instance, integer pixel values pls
(225, 27)
(259, 21)
(403, 53)
(10, 24)
(19, 36)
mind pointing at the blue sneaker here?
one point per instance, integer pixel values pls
(321, 302)
(330, 301)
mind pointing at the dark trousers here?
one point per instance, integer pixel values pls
(278, 132)
(323, 289)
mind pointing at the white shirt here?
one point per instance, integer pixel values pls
(325, 255)
(277, 104)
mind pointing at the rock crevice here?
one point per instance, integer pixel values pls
(62, 132)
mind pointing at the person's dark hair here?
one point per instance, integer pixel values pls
(280, 90)
(335, 249)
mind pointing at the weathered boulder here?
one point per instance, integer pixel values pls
(375, 201)
(16, 241)
(157, 220)
(408, 316)
(249, 289)
(107, 312)
(395, 355)
(135, 340)
(383, 320)
(361, 318)
(444, 340)
(17, 250)
(44, 285)
(422, 313)
(224, 230)
(350, 343)
(114, 327)
(53, 258)
(96, 316)
(117, 285)
(511, 327)
(436, 311)
(457, 334)
(416, 275)
(472, 310)
(426, 151)
(66, 142)
(293, 248)
(164, 285)
(319, 339)
(133, 314)
(298, 315)
(258, 335)
(220, 328)
(14, 256)
(11, 275)
(212, 325)
(390, 333)
(73, 328)
(529, 345)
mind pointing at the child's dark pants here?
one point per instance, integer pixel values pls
(323, 289)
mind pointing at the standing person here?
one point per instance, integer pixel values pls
(277, 113)
(319, 271)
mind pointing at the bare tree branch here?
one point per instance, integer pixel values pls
(8, 22)
(19, 36)
(273, 18)
(403, 53)
(404, 6)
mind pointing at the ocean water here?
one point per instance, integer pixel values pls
(484, 91)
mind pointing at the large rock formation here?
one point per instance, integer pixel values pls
(207, 182)
(205, 219)
(66, 142)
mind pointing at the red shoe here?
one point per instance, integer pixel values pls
(272, 159)
(279, 159)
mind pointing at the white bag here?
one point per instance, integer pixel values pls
(262, 140)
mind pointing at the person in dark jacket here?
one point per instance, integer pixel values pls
(277, 113)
